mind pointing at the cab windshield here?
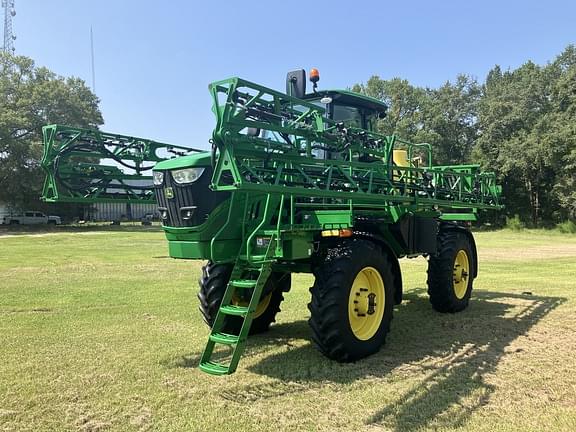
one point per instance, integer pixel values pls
(349, 115)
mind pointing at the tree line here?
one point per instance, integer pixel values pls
(520, 124)
(31, 97)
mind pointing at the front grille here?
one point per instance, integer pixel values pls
(191, 203)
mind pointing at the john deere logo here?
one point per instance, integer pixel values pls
(169, 192)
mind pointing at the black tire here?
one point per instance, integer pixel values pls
(213, 284)
(442, 272)
(330, 321)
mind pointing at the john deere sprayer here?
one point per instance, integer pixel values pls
(293, 182)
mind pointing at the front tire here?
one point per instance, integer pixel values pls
(451, 272)
(213, 285)
(352, 301)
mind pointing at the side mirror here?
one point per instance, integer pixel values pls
(296, 83)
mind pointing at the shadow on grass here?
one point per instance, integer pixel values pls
(455, 352)
(448, 354)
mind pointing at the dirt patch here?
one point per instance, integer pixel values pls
(532, 252)
(33, 310)
(254, 392)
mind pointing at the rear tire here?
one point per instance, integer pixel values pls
(451, 272)
(213, 284)
(346, 324)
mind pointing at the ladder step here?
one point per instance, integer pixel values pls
(243, 283)
(254, 258)
(214, 368)
(234, 310)
(224, 338)
(260, 264)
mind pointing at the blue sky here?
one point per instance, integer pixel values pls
(154, 59)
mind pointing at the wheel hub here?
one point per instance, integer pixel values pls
(460, 274)
(366, 303)
(371, 303)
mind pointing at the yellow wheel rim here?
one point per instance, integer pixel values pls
(260, 309)
(461, 274)
(366, 303)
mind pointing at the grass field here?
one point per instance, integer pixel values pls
(99, 331)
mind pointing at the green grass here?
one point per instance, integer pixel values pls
(99, 331)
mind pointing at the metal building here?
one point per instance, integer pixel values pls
(104, 212)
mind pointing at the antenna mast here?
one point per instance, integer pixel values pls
(92, 61)
(9, 38)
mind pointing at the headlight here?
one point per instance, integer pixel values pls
(158, 177)
(187, 175)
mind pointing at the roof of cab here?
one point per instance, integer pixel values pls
(345, 97)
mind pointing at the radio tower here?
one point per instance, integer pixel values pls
(9, 38)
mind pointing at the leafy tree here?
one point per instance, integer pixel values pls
(564, 93)
(31, 97)
(444, 117)
(450, 120)
(527, 120)
(404, 105)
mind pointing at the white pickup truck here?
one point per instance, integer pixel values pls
(30, 218)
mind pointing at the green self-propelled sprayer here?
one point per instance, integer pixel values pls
(293, 182)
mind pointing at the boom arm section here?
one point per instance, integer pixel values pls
(91, 166)
(270, 142)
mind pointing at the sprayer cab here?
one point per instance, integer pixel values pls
(354, 109)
